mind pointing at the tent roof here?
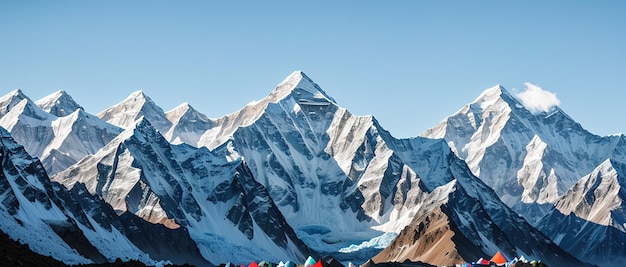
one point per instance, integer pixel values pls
(309, 262)
(482, 261)
(498, 258)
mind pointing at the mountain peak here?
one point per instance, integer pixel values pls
(492, 93)
(297, 80)
(17, 92)
(137, 95)
(8, 101)
(182, 108)
(128, 111)
(59, 103)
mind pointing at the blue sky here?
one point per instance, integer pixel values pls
(408, 63)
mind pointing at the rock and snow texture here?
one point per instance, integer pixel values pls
(590, 219)
(226, 126)
(52, 220)
(59, 104)
(295, 171)
(134, 107)
(341, 180)
(529, 158)
(188, 125)
(57, 141)
(227, 213)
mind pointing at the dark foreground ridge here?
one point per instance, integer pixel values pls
(12, 253)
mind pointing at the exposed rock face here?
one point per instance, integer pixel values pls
(295, 174)
(58, 141)
(226, 212)
(47, 217)
(589, 221)
(429, 238)
(529, 159)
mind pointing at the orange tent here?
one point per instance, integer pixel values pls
(498, 258)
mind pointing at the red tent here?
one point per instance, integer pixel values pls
(318, 264)
(253, 264)
(482, 261)
(499, 259)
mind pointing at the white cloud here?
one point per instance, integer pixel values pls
(536, 99)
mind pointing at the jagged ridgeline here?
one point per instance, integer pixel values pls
(294, 175)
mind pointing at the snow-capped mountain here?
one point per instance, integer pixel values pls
(456, 227)
(529, 159)
(10, 100)
(134, 107)
(188, 125)
(226, 126)
(295, 174)
(182, 124)
(346, 185)
(227, 213)
(590, 219)
(70, 226)
(58, 141)
(59, 104)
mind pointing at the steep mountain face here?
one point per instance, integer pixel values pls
(226, 126)
(58, 141)
(227, 213)
(460, 228)
(590, 219)
(462, 208)
(295, 171)
(10, 100)
(528, 159)
(188, 125)
(432, 238)
(341, 180)
(181, 125)
(133, 108)
(329, 172)
(59, 104)
(38, 213)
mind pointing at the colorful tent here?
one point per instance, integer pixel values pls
(290, 264)
(318, 264)
(522, 259)
(309, 262)
(499, 259)
(482, 261)
(329, 261)
(253, 264)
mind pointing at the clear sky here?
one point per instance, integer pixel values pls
(408, 63)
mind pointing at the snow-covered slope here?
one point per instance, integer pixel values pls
(328, 171)
(529, 159)
(345, 184)
(52, 220)
(58, 141)
(590, 219)
(229, 215)
(182, 124)
(131, 109)
(8, 101)
(296, 170)
(188, 125)
(227, 125)
(59, 104)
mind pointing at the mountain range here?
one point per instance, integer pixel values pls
(295, 174)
